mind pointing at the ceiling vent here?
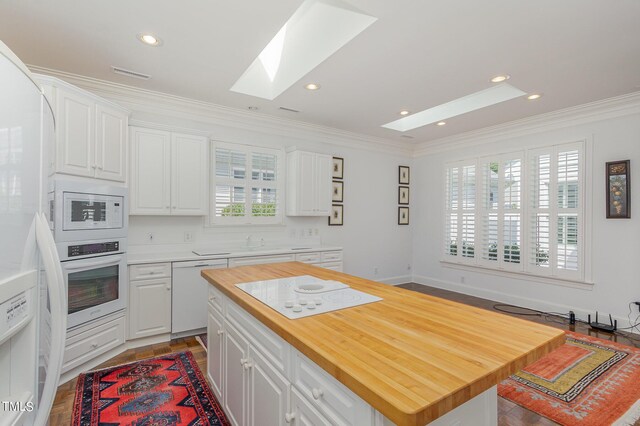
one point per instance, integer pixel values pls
(129, 73)
(289, 109)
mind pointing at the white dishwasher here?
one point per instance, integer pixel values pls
(189, 294)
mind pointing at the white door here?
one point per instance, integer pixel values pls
(149, 307)
(150, 187)
(111, 144)
(215, 340)
(189, 174)
(268, 392)
(303, 413)
(306, 184)
(324, 184)
(76, 134)
(235, 392)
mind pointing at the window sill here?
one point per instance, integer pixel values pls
(583, 285)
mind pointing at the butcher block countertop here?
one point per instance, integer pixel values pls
(413, 357)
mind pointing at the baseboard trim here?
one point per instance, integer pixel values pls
(402, 279)
(511, 299)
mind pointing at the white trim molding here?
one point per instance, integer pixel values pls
(148, 101)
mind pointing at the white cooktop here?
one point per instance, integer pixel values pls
(303, 296)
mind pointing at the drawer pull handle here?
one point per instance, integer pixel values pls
(220, 332)
(94, 345)
(288, 417)
(317, 393)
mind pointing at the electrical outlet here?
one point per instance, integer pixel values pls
(375, 271)
(316, 231)
(150, 236)
(462, 279)
(310, 232)
(408, 267)
(188, 237)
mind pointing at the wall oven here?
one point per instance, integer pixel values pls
(95, 275)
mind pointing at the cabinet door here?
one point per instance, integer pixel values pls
(235, 391)
(189, 175)
(323, 184)
(149, 307)
(306, 185)
(75, 140)
(303, 413)
(268, 392)
(215, 340)
(150, 186)
(111, 144)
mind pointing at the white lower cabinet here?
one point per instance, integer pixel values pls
(149, 300)
(215, 350)
(264, 381)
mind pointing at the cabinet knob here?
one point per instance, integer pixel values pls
(220, 332)
(317, 393)
(243, 361)
(247, 365)
(93, 167)
(288, 417)
(168, 288)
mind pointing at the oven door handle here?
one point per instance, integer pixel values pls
(113, 261)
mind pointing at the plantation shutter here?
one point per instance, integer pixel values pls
(556, 212)
(460, 220)
(246, 185)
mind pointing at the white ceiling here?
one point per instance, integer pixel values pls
(419, 54)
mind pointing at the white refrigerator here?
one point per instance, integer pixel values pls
(32, 292)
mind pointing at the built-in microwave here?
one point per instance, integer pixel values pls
(87, 211)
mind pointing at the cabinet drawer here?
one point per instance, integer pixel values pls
(258, 260)
(334, 266)
(331, 397)
(330, 256)
(149, 270)
(215, 297)
(269, 343)
(93, 342)
(308, 257)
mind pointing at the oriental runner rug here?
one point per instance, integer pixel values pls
(586, 382)
(167, 390)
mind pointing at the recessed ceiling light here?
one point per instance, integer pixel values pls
(500, 78)
(404, 112)
(441, 123)
(150, 39)
(312, 86)
(534, 96)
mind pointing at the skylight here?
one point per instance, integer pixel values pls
(316, 30)
(484, 98)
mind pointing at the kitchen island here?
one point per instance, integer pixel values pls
(411, 358)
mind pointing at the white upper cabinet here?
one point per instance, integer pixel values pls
(169, 174)
(91, 133)
(308, 184)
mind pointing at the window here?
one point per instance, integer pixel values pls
(246, 185)
(520, 212)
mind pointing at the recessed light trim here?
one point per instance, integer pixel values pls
(300, 45)
(150, 39)
(404, 112)
(534, 96)
(312, 86)
(484, 98)
(441, 123)
(500, 78)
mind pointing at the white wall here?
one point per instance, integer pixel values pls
(370, 236)
(615, 243)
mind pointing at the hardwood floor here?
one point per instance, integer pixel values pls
(509, 414)
(63, 404)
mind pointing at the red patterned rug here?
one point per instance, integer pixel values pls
(167, 390)
(586, 382)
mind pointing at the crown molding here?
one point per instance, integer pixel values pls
(148, 101)
(605, 109)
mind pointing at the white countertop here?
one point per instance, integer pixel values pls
(140, 256)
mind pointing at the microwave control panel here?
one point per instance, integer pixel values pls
(94, 248)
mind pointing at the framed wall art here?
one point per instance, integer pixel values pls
(337, 191)
(338, 168)
(403, 195)
(403, 215)
(403, 175)
(618, 190)
(336, 218)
